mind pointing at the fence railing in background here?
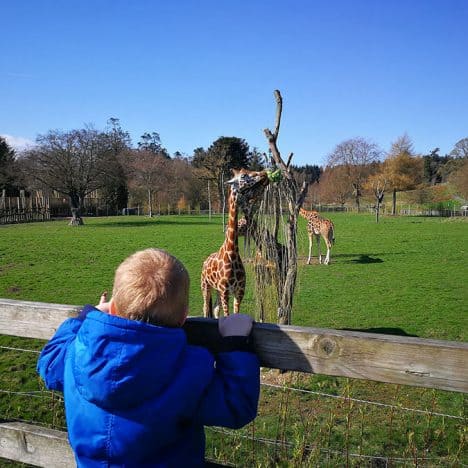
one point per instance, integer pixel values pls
(24, 209)
(384, 358)
(409, 211)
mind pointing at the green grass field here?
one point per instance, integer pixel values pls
(401, 276)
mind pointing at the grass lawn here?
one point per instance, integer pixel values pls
(401, 276)
(404, 274)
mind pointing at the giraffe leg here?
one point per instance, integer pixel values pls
(237, 301)
(207, 301)
(318, 248)
(329, 242)
(224, 298)
(309, 259)
(327, 258)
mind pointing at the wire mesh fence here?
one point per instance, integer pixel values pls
(303, 419)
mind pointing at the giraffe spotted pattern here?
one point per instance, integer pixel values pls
(316, 227)
(224, 271)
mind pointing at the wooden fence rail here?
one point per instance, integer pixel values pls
(384, 358)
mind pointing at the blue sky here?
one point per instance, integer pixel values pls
(197, 70)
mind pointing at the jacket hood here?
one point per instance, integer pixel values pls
(114, 361)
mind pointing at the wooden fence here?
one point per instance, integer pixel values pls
(384, 358)
(24, 209)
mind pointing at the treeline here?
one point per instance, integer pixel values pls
(358, 168)
(105, 164)
(78, 163)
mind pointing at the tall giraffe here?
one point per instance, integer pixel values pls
(318, 226)
(223, 270)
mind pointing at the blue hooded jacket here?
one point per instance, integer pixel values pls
(139, 395)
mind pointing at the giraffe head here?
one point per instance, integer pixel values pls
(248, 184)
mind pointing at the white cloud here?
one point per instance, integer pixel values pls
(17, 143)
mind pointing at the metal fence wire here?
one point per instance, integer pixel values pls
(303, 420)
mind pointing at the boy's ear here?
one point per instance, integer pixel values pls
(113, 308)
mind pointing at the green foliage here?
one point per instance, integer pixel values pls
(152, 142)
(312, 173)
(8, 170)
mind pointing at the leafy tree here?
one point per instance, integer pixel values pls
(216, 163)
(257, 160)
(74, 163)
(403, 169)
(433, 163)
(437, 169)
(152, 142)
(356, 156)
(310, 173)
(8, 169)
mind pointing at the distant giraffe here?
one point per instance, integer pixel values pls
(223, 270)
(318, 226)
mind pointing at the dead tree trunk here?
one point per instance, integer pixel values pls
(294, 196)
(394, 201)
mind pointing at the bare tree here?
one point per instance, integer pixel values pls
(377, 183)
(460, 149)
(356, 156)
(334, 185)
(285, 256)
(459, 179)
(74, 163)
(147, 169)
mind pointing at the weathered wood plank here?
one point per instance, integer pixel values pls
(33, 319)
(384, 358)
(35, 445)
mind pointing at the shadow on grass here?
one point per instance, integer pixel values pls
(359, 256)
(355, 258)
(153, 223)
(382, 331)
(364, 258)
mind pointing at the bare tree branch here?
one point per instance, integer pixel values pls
(279, 110)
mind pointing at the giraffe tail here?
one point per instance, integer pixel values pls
(332, 235)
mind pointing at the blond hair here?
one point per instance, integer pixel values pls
(152, 286)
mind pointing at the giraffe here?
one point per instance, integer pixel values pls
(223, 270)
(318, 226)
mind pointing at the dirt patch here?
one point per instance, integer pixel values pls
(277, 377)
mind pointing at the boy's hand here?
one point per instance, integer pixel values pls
(103, 305)
(235, 325)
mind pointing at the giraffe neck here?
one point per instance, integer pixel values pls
(230, 243)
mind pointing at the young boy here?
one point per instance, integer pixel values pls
(136, 394)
